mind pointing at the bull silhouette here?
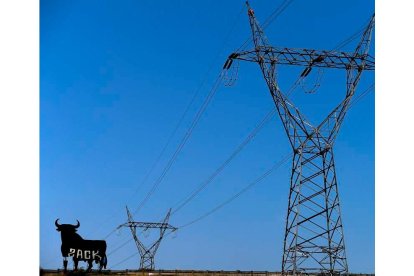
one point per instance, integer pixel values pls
(73, 245)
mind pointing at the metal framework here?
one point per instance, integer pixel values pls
(147, 254)
(314, 238)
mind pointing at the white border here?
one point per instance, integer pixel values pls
(394, 138)
(19, 147)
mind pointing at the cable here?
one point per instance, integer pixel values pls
(245, 189)
(242, 191)
(195, 120)
(352, 37)
(161, 154)
(172, 134)
(263, 176)
(191, 102)
(246, 141)
(182, 143)
(123, 261)
(154, 165)
(110, 233)
(218, 207)
(276, 13)
(195, 192)
(336, 48)
(281, 8)
(237, 150)
(119, 247)
(125, 243)
(360, 96)
(267, 173)
(252, 134)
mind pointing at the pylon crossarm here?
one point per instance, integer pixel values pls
(149, 225)
(305, 57)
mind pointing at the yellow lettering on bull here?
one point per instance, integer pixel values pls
(71, 252)
(84, 254)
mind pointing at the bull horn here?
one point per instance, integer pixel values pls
(77, 225)
(56, 223)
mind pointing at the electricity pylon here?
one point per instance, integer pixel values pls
(147, 254)
(314, 238)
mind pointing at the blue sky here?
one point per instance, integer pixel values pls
(115, 79)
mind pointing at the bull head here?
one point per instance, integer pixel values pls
(60, 227)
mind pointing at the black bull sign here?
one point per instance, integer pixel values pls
(74, 246)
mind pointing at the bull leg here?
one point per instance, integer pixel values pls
(89, 266)
(102, 263)
(75, 262)
(65, 264)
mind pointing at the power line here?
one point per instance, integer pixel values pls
(210, 179)
(224, 43)
(351, 37)
(124, 244)
(363, 94)
(267, 22)
(192, 100)
(161, 154)
(246, 141)
(183, 141)
(218, 207)
(195, 120)
(180, 146)
(278, 11)
(245, 189)
(252, 134)
(264, 175)
(119, 247)
(124, 260)
(258, 180)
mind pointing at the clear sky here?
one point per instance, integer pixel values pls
(115, 79)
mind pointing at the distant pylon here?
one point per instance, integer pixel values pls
(314, 238)
(147, 253)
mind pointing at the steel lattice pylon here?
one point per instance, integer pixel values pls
(314, 238)
(147, 254)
